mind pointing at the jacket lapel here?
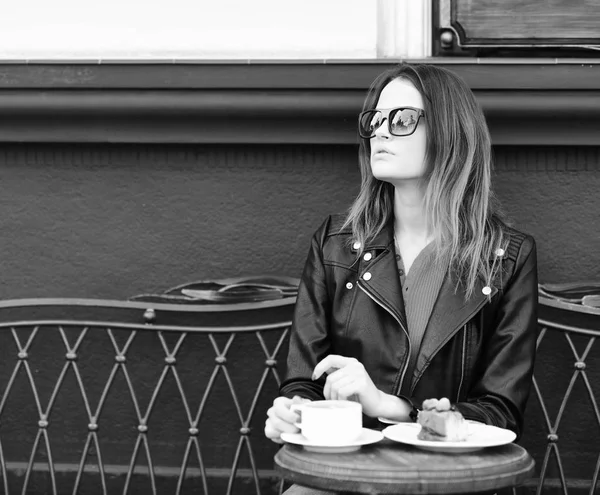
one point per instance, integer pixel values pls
(450, 312)
(383, 280)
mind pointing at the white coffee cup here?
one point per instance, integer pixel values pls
(329, 421)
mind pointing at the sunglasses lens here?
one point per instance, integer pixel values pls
(369, 122)
(403, 122)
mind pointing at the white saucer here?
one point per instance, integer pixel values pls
(480, 437)
(367, 437)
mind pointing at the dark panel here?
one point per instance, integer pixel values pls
(509, 23)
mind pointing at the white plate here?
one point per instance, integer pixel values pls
(367, 437)
(480, 437)
(389, 421)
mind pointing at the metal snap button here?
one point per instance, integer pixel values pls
(500, 252)
(367, 257)
(367, 276)
(486, 290)
(349, 285)
(356, 245)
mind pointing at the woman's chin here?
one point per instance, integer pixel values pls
(391, 174)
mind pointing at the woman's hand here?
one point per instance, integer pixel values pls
(348, 379)
(281, 419)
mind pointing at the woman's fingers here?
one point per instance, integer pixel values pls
(282, 409)
(349, 380)
(272, 433)
(342, 388)
(352, 373)
(338, 379)
(346, 390)
(280, 424)
(281, 419)
(331, 362)
(328, 393)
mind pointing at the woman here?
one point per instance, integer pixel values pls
(422, 290)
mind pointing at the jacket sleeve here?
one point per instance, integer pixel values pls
(309, 338)
(501, 386)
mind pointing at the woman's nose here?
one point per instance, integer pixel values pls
(382, 131)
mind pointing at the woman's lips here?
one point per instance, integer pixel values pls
(381, 153)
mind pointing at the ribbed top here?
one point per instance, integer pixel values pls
(420, 289)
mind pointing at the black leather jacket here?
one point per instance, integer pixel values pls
(477, 352)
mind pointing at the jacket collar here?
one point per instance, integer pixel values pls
(384, 239)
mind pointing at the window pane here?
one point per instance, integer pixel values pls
(193, 29)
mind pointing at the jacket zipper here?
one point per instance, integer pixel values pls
(462, 366)
(397, 390)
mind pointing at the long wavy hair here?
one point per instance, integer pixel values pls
(462, 214)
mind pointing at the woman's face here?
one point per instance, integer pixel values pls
(397, 159)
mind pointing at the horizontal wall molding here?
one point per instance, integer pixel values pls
(507, 74)
(554, 159)
(507, 159)
(525, 104)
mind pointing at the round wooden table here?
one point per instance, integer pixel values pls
(393, 468)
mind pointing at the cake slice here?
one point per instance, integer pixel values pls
(441, 423)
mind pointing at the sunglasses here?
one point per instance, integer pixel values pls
(402, 121)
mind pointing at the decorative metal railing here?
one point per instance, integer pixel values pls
(566, 408)
(103, 414)
(136, 397)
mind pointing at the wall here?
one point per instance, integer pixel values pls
(113, 221)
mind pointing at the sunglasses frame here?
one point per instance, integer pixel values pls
(386, 116)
